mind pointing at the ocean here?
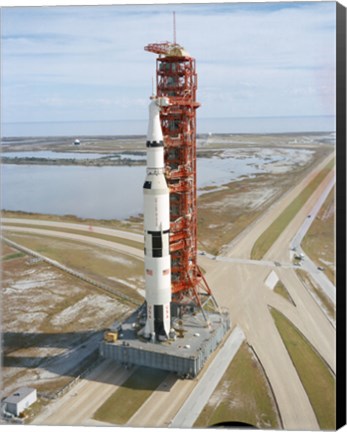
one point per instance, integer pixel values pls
(254, 125)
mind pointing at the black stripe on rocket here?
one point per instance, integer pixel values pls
(157, 242)
(154, 144)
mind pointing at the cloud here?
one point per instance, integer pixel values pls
(252, 59)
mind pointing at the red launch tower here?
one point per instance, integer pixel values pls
(176, 78)
(178, 302)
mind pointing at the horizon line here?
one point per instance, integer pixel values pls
(145, 119)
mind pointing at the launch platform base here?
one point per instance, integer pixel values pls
(186, 355)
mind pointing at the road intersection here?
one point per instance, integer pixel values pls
(239, 284)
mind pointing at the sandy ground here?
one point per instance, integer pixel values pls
(242, 288)
(50, 323)
(243, 245)
(136, 143)
(79, 405)
(201, 394)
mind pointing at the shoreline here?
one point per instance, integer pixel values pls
(109, 151)
(229, 206)
(72, 162)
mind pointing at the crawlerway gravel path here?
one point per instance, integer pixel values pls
(241, 287)
(187, 415)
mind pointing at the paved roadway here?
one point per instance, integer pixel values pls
(319, 277)
(240, 286)
(134, 252)
(79, 227)
(201, 394)
(78, 405)
(242, 245)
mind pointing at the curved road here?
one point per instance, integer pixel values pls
(134, 252)
(80, 227)
(241, 287)
(320, 278)
(85, 398)
(241, 247)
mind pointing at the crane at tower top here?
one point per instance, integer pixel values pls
(169, 49)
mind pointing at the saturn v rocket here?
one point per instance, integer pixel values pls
(156, 230)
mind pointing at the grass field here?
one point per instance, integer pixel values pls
(246, 396)
(115, 239)
(13, 256)
(242, 395)
(282, 290)
(226, 211)
(323, 298)
(126, 400)
(133, 224)
(317, 379)
(319, 241)
(269, 236)
(110, 267)
(48, 314)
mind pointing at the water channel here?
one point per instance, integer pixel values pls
(109, 192)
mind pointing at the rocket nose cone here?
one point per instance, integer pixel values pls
(154, 133)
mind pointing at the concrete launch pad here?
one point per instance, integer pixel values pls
(186, 355)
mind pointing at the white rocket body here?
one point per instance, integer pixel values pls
(156, 231)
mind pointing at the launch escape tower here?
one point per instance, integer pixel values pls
(176, 78)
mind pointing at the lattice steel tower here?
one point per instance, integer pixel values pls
(176, 78)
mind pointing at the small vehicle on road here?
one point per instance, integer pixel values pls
(320, 268)
(299, 256)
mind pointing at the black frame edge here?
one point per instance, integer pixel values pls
(340, 215)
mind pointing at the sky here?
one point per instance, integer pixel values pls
(87, 63)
